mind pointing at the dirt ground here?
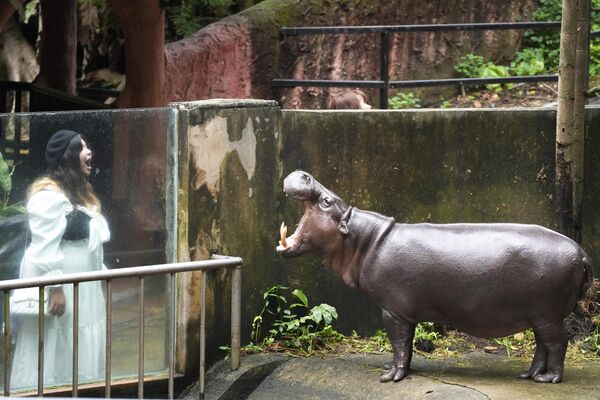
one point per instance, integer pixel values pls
(516, 95)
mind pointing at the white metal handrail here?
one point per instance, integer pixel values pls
(217, 262)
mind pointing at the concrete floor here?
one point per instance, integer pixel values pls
(355, 376)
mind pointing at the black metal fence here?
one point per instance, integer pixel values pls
(384, 84)
(21, 97)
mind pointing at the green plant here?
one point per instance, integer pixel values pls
(6, 187)
(294, 324)
(404, 100)
(528, 62)
(547, 41)
(474, 66)
(426, 331)
(523, 342)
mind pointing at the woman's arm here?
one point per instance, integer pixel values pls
(47, 221)
(47, 211)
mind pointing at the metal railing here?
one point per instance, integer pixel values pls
(217, 262)
(21, 97)
(384, 84)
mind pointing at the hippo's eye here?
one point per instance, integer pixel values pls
(325, 202)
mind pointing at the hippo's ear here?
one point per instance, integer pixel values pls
(343, 227)
(343, 224)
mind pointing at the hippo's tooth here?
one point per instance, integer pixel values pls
(283, 234)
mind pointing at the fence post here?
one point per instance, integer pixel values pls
(6, 343)
(236, 311)
(385, 70)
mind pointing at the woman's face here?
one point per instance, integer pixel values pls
(362, 104)
(85, 158)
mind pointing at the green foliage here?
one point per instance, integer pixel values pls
(6, 187)
(474, 66)
(295, 324)
(426, 331)
(547, 41)
(528, 62)
(185, 21)
(404, 100)
(195, 14)
(31, 9)
(523, 342)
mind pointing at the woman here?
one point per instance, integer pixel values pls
(67, 232)
(349, 99)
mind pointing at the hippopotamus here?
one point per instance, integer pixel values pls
(486, 279)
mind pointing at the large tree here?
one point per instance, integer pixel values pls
(143, 25)
(58, 47)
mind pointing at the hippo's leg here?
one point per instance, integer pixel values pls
(401, 337)
(551, 345)
(540, 359)
(553, 337)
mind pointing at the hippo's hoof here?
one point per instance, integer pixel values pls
(531, 374)
(548, 377)
(388, 375)
(395, 374)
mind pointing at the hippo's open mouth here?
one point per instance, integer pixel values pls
(289, 246)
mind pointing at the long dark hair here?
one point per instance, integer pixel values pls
(69, 177)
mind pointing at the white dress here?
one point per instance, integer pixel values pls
(49, 255)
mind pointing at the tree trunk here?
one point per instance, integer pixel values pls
(581, 87)
(7, 9)
(143, 25)
(58, 48)
(139, 146)
(564, 118)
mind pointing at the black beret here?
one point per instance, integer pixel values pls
(57, 145)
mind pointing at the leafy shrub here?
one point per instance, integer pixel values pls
(295, 324)
(6, 187)
(528, 62)
(474, 66)
(547, 41)
(404, 100)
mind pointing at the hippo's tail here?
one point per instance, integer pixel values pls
(589, 289)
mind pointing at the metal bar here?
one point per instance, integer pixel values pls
(108, 346)
(474, 81)
(17, 139)
(412, 83)
(171, 334)
(320, 30)
(18, 92)
(384, 70)
(40, 386)
(236, 316)
(141, 341)
(223, 262)
(326, 83)
(3, 94)
(6, 343)
(202, 331)
(75, 339)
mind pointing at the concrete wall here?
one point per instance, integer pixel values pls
(438, 165)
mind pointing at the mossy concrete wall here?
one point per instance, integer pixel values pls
(423, 165)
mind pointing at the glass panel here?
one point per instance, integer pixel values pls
(129, 167)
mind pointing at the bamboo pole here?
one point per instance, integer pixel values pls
(581, 87)
(565, 118)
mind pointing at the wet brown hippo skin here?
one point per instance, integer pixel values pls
(488, 280)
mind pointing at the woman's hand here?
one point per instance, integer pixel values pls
(57, 301)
